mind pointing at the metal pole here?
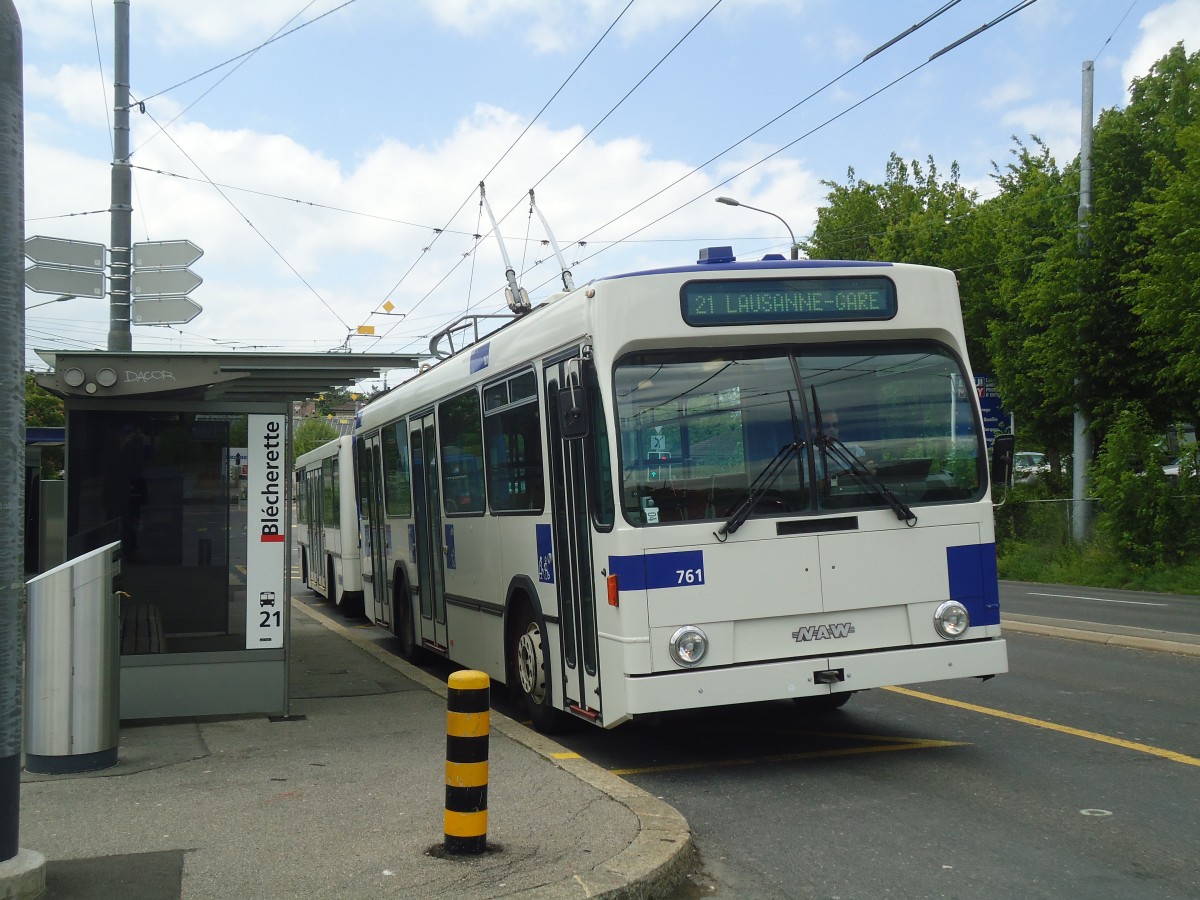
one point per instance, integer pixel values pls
(121, 209)
(12, 427)
(1083, 436)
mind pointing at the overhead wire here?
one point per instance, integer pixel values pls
(1017, 8)
(275, 38)
(254, 227)
(1024, 4)
(944, 8)
(440, 231)
(604, 118)
(242, 60)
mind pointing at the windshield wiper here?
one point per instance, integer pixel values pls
(758, 487)
(834, 448)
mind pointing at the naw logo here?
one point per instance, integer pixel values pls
(271, 532)
(823, 632)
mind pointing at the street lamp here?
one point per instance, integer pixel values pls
(48, 302)
(729, 201)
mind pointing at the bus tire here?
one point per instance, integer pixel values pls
(304, 565)
(405, 628)
(824, 702)
(331, 590)
(529, 668)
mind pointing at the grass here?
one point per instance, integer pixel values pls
(1093, 565)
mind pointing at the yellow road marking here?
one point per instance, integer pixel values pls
(1052, 726)
(897, 744)
(565, 756)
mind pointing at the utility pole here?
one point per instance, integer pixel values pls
(121, 209)
(22, 872)
(1080, 513)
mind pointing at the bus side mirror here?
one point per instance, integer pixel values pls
(573, 419)
(1002, 458)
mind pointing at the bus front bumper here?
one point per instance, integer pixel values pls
(784, 679)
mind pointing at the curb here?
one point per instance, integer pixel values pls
(1136, 642)
(658, 857)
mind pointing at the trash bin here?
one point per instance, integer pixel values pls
(73, 665)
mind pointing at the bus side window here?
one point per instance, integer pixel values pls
(513, 434)
(461, 435)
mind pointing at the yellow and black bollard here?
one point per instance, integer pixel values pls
(468, 722)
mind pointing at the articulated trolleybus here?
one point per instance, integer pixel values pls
(710, 484)
(328, 523)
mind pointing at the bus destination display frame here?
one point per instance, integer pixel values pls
(772, 301)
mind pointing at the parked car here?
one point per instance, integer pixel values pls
(1027, 466)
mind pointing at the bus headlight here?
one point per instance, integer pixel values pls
(951, 619)
(689, 644)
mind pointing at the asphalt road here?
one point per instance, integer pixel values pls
(1126, 609)
(1077, 774)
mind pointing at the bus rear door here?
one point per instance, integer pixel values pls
(376, 594)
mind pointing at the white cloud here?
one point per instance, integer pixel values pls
(1057, 123)
(1162, 29)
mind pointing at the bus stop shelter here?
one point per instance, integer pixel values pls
(185, 458)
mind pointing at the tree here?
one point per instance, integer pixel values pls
(44, 410)
(311, 434)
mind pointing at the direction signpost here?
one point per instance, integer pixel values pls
(165, 311)
(164, 282)
(165, 254)
(65, 254)
(65, 267)
(52, 280)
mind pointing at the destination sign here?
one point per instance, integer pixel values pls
(769, 301)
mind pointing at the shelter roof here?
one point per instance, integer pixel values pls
(229, 377)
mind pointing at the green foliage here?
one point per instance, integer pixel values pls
(42, 409)
(311, 434)
(1148, 519)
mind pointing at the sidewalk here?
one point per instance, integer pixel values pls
(343, 799)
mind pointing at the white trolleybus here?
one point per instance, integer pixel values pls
(693, 486)
(327, 513)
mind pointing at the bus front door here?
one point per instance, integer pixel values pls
(572, 536)
(377, 595)
(430, 543)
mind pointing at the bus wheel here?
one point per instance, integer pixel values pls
(403, 618)
(530, 687)
(824, 702)
(304, 566)
(331, 591)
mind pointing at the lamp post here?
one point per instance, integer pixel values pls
(48, 302)
(729, 201)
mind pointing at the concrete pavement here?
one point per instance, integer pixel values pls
(344, 798)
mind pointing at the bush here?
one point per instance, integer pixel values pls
(1147, 519)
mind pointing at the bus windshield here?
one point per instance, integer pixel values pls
(698, 427)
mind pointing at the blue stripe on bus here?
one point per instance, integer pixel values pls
(651, 571)
(751, 264)
(973, 581)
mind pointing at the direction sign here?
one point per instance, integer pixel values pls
(53, 280)
(63, 253)
(165, 254)
(164, 282)
(165, 311)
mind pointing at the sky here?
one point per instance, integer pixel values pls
(332, 174)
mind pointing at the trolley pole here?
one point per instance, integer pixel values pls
(468, 724)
